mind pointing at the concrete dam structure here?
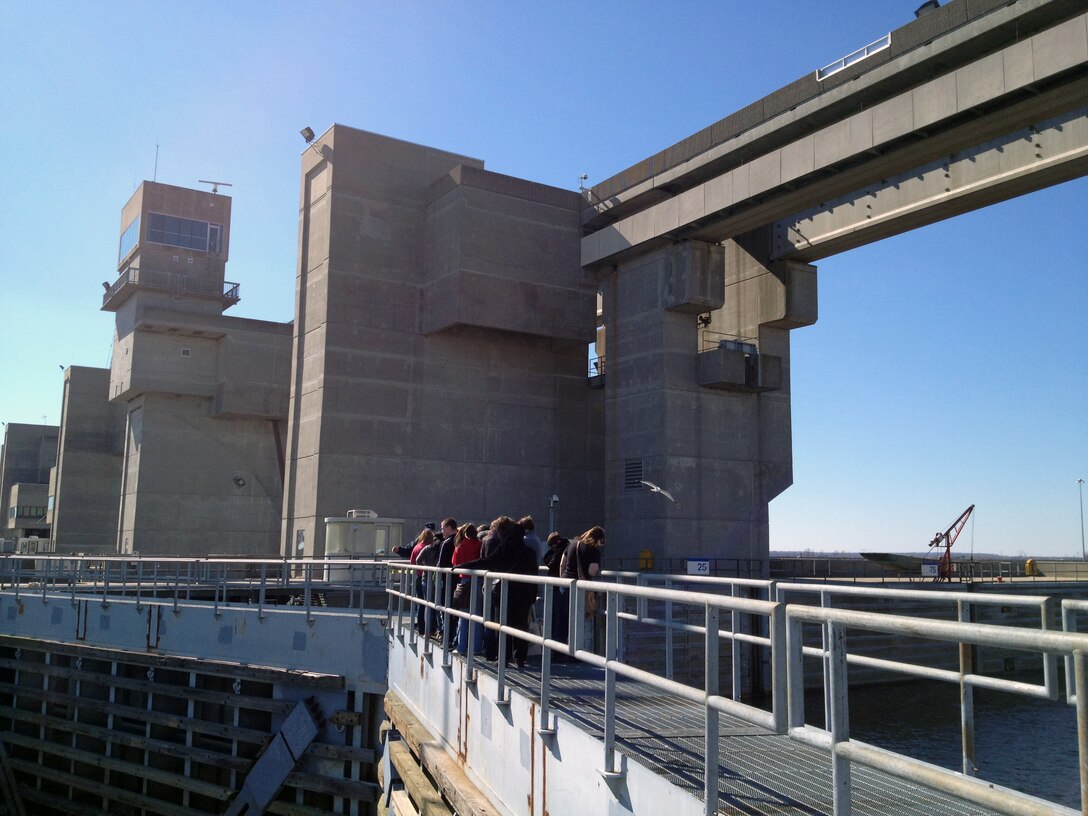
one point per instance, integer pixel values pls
(438, 362)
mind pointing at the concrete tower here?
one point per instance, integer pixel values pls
(205, 395)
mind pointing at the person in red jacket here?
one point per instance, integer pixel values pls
(466, 547)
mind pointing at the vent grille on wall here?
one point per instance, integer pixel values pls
(632, 474)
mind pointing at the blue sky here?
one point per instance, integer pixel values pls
(948, 364)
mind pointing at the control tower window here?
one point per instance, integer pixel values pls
(128, 239)
(183, 232)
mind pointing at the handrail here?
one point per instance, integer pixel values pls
(707, 696)
(833, 623)
(854, 56)
(836, 736)
(245, 583)
(173, 282)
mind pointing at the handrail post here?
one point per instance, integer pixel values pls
(825, 644)
(795, 667)
(669, 639)
(546, 663)
(734, 650)
(473, 608)
(712, 673)
(308, 591)
(1050, 660)
(776, 631)
(967, 695)
(1081, 675)
(611, 633)
(446, 586)
(261, 591)
(839, 724)
(502, 694)
(139, 584)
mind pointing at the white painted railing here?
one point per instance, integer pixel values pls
(786, 660)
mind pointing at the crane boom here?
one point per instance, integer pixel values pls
(946, 540)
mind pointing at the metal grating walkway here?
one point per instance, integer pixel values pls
(760, 772)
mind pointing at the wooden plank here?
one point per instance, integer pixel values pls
(291, 809)
(147, 803)
(344, 753)
(178, 750)
(348, 788)
(265, 704)
(402, 804)
(59, 803)
(140, 771)
(204, 727)
(455, 785)
(419, 787)
(267, 674)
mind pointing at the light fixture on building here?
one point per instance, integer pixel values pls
(927, 7)
(307, 133)
(239, 481)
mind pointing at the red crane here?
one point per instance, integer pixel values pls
(946, 540)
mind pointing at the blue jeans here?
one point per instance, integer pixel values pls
(462, 631)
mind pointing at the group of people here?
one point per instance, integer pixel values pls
(508, 546)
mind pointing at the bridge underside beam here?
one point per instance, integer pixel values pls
(1019, 86)
(1020, 162)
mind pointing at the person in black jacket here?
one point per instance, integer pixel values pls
(507, 552)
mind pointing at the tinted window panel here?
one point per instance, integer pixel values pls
(182, 232)
(129, 238)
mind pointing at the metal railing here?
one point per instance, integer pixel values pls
(172, 282)
(854, 56)
(225, 582)
(710, 340)
(349, 585)
(438, 595)
(834, 737)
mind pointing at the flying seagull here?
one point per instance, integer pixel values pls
(655, 489)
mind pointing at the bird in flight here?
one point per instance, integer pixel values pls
(655, 489)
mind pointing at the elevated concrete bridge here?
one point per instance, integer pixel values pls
(968, 105)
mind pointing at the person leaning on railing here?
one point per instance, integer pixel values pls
(507, 552)
(466, 547)
(582, 562)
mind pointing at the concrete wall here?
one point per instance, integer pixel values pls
(195, 484)
(204, 399)
(28, 452)
(29, 501)
(441, 329)
(205, 437)
(201, 269)
(87, 486)
(720, 445)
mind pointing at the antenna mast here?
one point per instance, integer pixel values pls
(215, 184)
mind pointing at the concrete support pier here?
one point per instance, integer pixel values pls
(697, 395)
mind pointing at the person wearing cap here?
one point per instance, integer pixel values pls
(406, 550)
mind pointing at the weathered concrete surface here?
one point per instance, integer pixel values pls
(28, 453)
(440, 343)
(996, 81)
(204, 396)
(88, 473)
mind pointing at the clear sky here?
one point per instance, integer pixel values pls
(948, 364)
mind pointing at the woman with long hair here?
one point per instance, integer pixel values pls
(466, 547)
(423, 540)
(581, 562)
